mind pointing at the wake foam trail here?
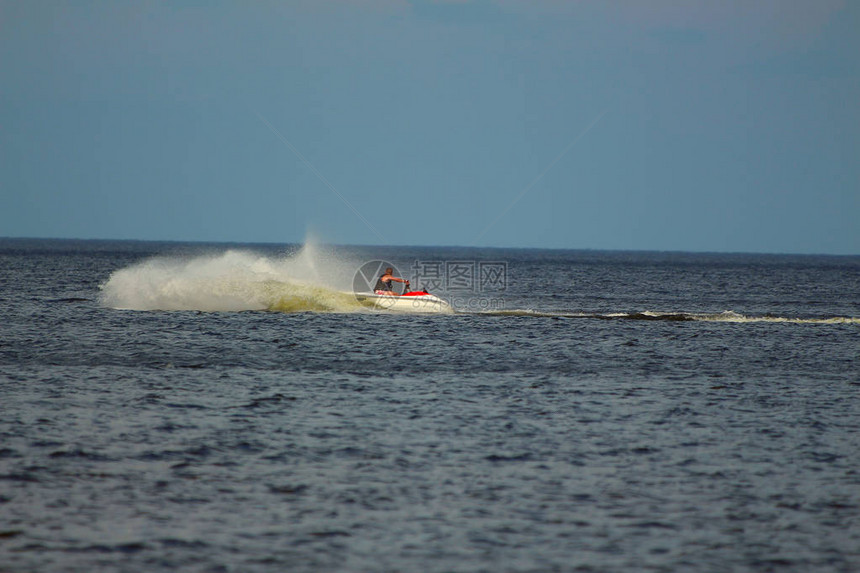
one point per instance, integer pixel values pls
(726, 316)
(310, 280)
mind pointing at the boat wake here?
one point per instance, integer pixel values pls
(725, 316)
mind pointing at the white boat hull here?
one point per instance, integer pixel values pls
(424, 303)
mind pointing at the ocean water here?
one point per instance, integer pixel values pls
(233, 408)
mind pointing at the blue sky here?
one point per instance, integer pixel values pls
(695, 126)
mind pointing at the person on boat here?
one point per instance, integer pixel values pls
(385, 283)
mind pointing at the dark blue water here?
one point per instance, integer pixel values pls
(591, 412)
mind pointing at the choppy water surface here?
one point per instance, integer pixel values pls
(621, 411)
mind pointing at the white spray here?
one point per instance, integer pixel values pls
(235, 280)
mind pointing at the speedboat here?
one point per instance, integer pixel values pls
(415, 301)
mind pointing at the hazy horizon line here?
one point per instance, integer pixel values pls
(438, 246)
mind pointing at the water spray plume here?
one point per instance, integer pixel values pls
(312, 278)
